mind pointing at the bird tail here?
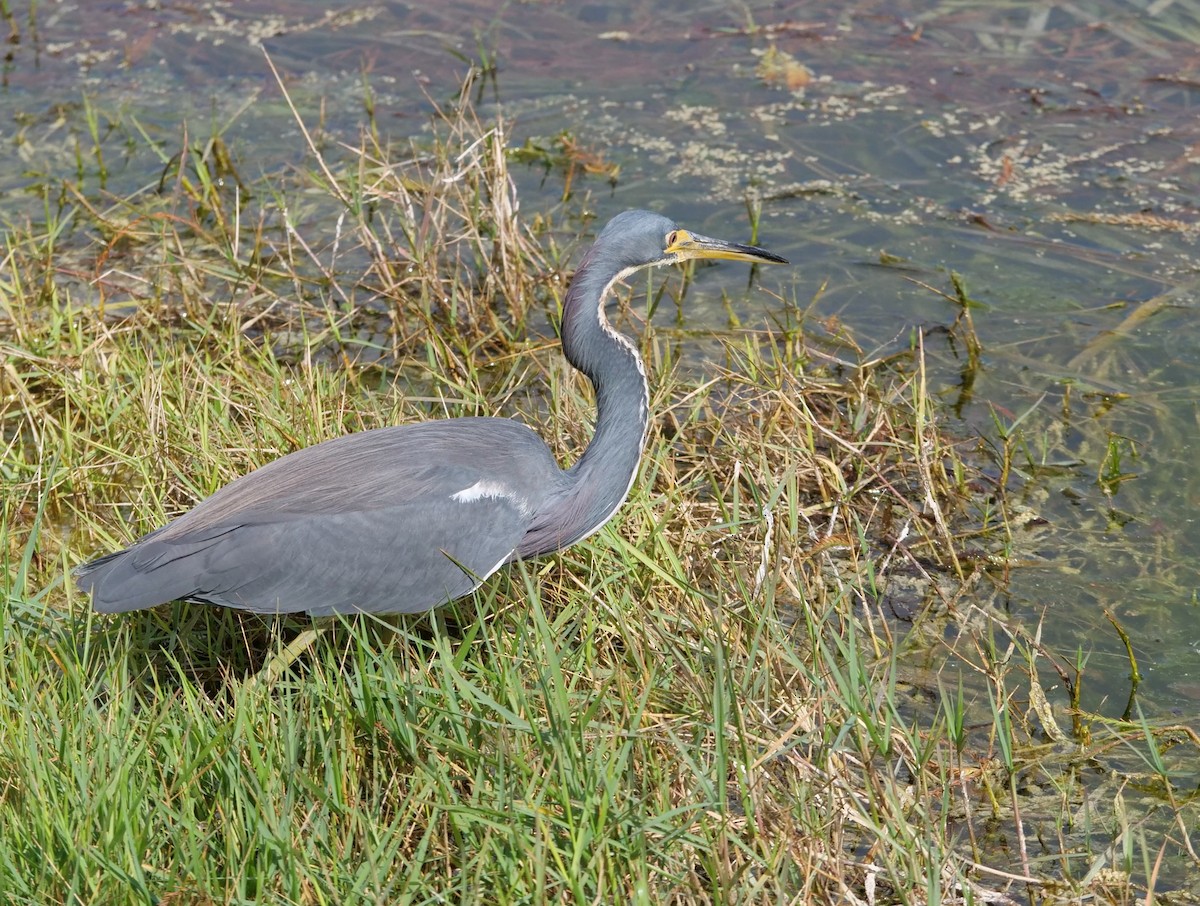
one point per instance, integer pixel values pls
(116, 585)
(154, 570)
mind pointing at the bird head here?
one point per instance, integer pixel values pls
(640, 238)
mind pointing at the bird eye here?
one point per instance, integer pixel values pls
(672, 238)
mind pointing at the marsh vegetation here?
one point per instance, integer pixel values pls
(783, 674)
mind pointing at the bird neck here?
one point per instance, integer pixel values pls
(612, 364)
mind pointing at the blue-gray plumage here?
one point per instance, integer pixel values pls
(402, 519)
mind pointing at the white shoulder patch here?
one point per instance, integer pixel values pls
(479, 490)
(485, 490)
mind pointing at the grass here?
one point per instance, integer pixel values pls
(775, 678)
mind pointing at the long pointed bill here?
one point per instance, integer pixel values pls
(691, 245)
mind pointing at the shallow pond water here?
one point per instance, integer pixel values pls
(1044, 153)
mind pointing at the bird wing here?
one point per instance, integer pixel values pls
(376, 469)
(388, 521)
(402, 559)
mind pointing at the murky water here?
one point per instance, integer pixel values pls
(1047, 154)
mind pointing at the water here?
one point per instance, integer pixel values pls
(1044, 153)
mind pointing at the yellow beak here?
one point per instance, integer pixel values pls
(692, 245)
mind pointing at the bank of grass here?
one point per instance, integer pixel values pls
(774, 679)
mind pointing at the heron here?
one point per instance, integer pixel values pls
(402, 519)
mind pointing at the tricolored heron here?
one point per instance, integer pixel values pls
(404, 518)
